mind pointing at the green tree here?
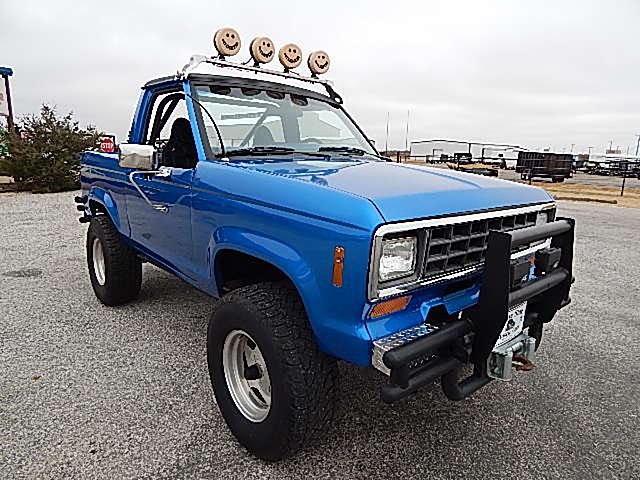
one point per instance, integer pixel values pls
(4, 142)
(45, 155)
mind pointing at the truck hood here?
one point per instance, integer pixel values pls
(403, 191)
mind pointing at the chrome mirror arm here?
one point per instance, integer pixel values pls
(163, 172)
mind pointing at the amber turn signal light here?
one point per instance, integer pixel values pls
(390, 306)
(338, 266)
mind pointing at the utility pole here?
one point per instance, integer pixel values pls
(386, 138)
(572, 145)
(610, 144)
(406, 134)
(638, 143)
(5, 73)
(590, 148)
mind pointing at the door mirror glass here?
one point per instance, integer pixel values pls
(139, 157)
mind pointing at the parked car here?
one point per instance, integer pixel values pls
(263, 192)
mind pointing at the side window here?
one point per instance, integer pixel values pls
(159, 126)
(170, 131)
(179, 112)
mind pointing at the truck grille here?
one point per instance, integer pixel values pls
(448, 247)
(455, 247)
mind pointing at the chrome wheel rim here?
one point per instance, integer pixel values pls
(98, 261)
(246, 375)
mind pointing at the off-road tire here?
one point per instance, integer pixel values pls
(123, 268)
(303, 379)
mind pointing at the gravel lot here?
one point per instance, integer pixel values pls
(88, 391)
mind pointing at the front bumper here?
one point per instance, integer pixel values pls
(418, 356)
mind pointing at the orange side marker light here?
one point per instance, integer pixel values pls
(390, 306)
(338, 266)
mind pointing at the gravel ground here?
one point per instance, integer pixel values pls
(88, 391)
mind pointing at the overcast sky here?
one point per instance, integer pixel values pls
(534, 73)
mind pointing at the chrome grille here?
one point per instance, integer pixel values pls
(448, 247)
(454, 247)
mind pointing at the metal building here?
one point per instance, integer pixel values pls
(438, 150)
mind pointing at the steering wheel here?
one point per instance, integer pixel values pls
(311, 140)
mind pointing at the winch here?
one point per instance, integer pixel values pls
(519, 353)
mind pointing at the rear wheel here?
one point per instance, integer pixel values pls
(114, 268)
(275, 389)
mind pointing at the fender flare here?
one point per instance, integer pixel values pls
(104, 198)
(270, 250)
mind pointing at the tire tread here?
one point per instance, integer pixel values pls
(311, 375)
(124, 267)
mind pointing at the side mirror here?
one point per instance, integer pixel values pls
(139, 157)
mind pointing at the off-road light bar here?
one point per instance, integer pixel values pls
(196, 60)
(227, 42)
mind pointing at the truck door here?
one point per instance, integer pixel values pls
(159, 207)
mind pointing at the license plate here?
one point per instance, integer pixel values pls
(513, 327)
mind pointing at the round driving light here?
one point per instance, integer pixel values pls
(262, 50)
(290, 56)
(318, 62)
(227, 42)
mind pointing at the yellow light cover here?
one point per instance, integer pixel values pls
(290, 56)
(262, 49)
(390, 306)
(318, 62)
(227, 42)
(338, 266)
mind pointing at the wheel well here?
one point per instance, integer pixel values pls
(235, 269)
(97, 208)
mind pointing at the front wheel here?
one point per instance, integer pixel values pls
(275, 389)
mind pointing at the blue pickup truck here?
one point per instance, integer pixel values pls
(258, 188)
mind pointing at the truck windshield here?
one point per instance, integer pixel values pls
(251, 119)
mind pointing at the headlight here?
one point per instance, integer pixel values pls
(398, 258)
(542, 218)
(545, 216)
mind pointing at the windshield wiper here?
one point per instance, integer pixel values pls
(273, 150)
(258, 151)
(352, 151)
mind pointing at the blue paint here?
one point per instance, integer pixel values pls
(192, 119)
(292, 211)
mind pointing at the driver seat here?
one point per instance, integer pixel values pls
(262, 137)
(180, 150)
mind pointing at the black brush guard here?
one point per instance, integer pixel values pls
(472, 338)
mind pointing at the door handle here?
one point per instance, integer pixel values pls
(163, 172)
